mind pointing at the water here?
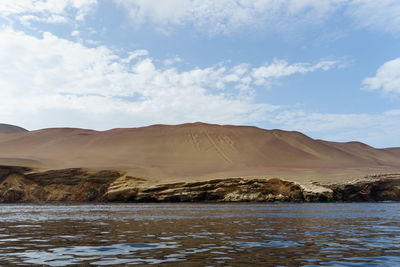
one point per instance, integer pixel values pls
(201, 234)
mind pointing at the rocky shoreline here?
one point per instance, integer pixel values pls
(25, 185)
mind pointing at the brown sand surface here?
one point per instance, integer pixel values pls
(196, 151)
(7, 128)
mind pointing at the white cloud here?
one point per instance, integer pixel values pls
(49, 75)
(281, 68)
(172, 61)
(393, 112)
(51, 78)
(75, 33)
(387, 78)
(27, 19)
(382, 15)
(50, 11)
(135, 54)
(49, 81)
(218, 17)
(227, 16)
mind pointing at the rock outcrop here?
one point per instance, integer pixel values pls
(220, 190)
(21, 184)
(376, 188)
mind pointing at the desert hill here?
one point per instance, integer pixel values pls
(7, 128)
(195, 151)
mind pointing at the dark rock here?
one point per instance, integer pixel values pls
(72, 176)
(91, 194)
(386, 189)
(12, 195)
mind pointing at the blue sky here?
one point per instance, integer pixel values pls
(330, 69)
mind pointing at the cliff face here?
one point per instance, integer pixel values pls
(73, 185)
(379, 188)
(221, 190)
(20, 184)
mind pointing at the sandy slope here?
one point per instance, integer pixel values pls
(196, 151)
(7, 128)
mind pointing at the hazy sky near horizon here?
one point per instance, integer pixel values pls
(330, 69)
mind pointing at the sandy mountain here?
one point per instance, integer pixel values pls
(196, 151)
(7, 128)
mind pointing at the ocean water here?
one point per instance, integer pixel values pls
(334, 234)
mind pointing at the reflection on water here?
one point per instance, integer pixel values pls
(201, 234)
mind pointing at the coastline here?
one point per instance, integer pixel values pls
(20, 184)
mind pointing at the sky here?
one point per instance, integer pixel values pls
(329, 69)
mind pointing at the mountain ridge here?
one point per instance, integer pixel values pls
(197, 151)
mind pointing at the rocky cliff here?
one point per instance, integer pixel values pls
(19, 184)
(22, 184)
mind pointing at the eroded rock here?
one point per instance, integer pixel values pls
(385, 189)
(221, 190)
(19, 184)
(67, 185)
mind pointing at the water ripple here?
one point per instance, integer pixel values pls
(352, 234)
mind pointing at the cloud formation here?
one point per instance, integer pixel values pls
(66, 83)
(49, 73)
(376, 15)
(227, 16)
(48, 81)
(387, 78)
(50, 11)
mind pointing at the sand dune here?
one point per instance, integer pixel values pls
(196, 151)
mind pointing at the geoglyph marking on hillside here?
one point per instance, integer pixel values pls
(194, 139)
(217, 148)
